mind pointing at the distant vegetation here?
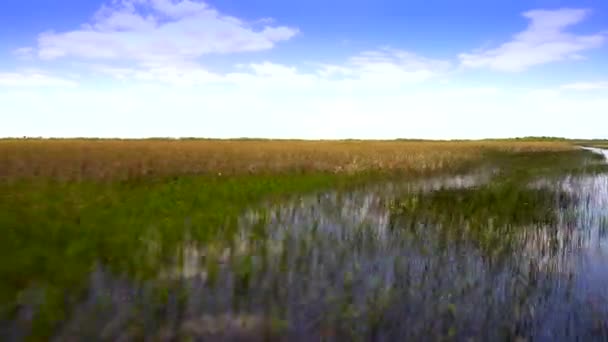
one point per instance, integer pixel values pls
(108, 160)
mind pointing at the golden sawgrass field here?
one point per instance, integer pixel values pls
(89, 159)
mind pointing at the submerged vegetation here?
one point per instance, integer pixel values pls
(196, 238)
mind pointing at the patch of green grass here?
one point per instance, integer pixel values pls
(54, 233)
(493, 214)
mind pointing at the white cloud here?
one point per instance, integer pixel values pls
(387, 64)
(178, 74)
(159, 30)
(181, 8)
(33, 79)
(366, 71)
(545, 40)
(586, 86)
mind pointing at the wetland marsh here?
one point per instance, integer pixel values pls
(262, 240)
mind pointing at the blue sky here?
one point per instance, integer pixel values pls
(307, 69)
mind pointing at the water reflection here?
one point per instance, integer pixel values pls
(582, 251)
(596, 150)
(453, 257)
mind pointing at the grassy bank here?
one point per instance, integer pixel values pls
(69, 205)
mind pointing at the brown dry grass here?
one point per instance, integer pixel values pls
(74, 159)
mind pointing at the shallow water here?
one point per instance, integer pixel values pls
(450, 257)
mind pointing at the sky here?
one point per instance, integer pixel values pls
(312, 69)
